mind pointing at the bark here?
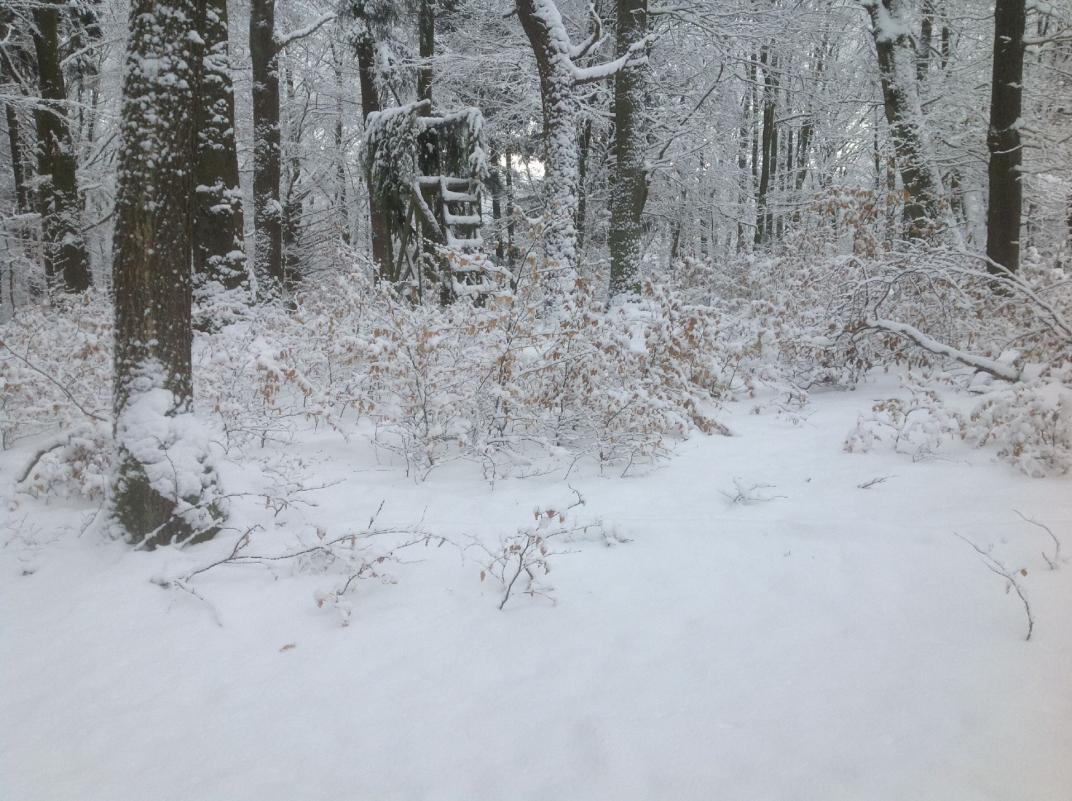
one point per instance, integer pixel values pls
(20, 181)
(495, 184)
(15, 59)
(219, 256)
(428, 156)
(744, 134)
(946, 48)
(1005, 205)
(510, 212)
(768, 148)
(560, 110)
(903, 117)
(426, 45)
(267, 210)
(18, 164)
(630, 176)
(293, 198)
(341, 201)
(926, 37)
(152, 258)
(85, 36)
(584, 153)
(66, 258)
(1068, 224)
(382, 256)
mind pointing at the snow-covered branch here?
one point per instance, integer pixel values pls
(609, 69)
(282, 40)
(594, 39)
(931, 345)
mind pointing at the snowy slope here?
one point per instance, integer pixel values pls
(831, 642)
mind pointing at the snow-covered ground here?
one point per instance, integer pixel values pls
(830, 642)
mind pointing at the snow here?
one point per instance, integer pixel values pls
(170, 444)
(832, 642)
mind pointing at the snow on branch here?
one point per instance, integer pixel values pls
(931, 345)
(611, 68)
(549, 17)
(282, 40)
(595, 38)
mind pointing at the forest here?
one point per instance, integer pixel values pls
(469, 399)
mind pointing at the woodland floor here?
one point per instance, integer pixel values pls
(832, 642)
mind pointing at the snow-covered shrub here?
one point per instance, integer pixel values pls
(531, 377)
(535, 376)
(76, 462)
(55, 368)
(936, 313)
(1031, 423)
(251, 376)
(540, 372)
(917, 426)
(55, 394)
(782, 317)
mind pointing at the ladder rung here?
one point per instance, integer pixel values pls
(460, 219)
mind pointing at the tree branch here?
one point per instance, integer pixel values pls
(282, 40)
(915, 336)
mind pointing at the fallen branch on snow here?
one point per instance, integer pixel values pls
(998, 568)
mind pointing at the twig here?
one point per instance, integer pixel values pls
(242, 542)
(520, 567)
(53, 381)
(748, 495)
(41, 454)
(179, 584)
(875, 481)
(1056, 560)
(996, 567)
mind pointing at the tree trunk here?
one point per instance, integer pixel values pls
(370, 102)
(1003, 139)
(584, 153)
(926, 37)
(426, 45)
(18, 165)
(744, 134)
(219, 256)
(157, 494)
(293, 198)
(903, 116)
(342, 207)
(16, 59)
(267, 210)
(495, 184)
(630, 176)
(560, 109)
(768, 148)
(66, 259)
(511, 248)
(86, 36)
